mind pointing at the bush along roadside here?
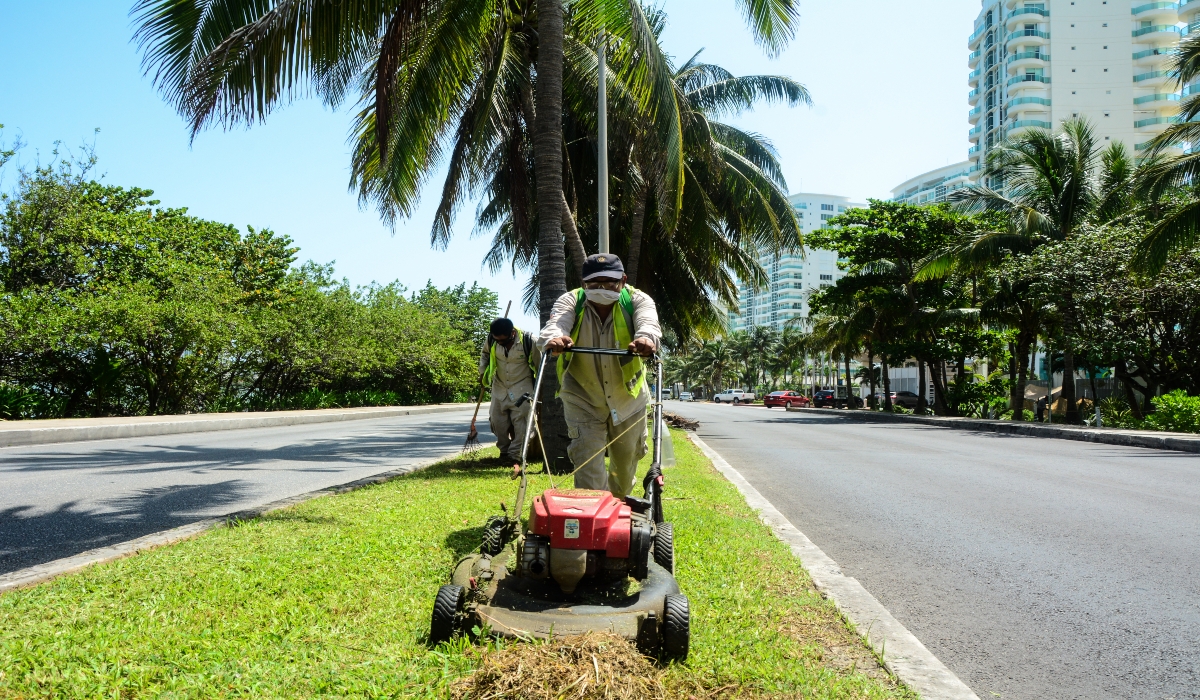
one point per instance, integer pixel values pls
(332, 598)
(113, 306)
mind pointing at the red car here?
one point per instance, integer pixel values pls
(787, 399)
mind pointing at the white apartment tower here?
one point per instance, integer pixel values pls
(793, 277)
(1035, 64)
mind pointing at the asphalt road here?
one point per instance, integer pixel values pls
(1033, 568)
(59, 500)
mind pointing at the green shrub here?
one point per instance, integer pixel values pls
(1115, 413)
(1176, 412)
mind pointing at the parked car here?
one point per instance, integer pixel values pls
(685, 396)
(787, 399)
(906, 399)
(825, 398)
(734, 396)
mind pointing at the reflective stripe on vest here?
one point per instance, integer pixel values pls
(489, 373)
(633, 371)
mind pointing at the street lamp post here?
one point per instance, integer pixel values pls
(602, 145)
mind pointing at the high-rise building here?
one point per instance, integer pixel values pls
(1036, 64)
(793, 277)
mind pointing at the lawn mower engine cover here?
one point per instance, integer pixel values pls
(577, 533)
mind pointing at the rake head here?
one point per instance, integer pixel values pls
(472, 444)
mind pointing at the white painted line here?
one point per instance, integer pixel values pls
(903, 654)
(34, 575)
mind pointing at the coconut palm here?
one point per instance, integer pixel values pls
(1051, 188)
(735, 193)
(1179, 228)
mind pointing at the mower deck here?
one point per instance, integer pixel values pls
(518, 608)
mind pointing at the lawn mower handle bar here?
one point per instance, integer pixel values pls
(606, 351)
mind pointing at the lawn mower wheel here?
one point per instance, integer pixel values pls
(447, 613)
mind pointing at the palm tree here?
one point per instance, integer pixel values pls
(714, 361)
(734, 189)
(1050, 189)
(1179, 228)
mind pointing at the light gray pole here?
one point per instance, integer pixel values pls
(602, 147)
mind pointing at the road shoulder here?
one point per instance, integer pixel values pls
(902, 653)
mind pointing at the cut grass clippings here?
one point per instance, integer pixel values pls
(332, 598)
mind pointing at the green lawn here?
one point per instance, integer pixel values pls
(332, 598)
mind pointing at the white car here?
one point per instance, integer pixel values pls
(685, 396)
(734, 396)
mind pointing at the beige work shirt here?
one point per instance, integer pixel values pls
(594, 383)
(513, 376)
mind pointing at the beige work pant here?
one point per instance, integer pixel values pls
(588, 437)
(508, 422)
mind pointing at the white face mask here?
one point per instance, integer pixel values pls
(602, 296)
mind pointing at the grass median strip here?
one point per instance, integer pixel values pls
(332, 598)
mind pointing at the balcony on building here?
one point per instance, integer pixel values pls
(1029, 81)
(973, 59)
(973, 97)
(979, 33)
(1167, 101)
(1157, 12)
(1025, 15)
(1023, 124)
(1154, 125)
(1026, 37)
(1189, 11)
(1018, 100)
(1156, 58)
(973, 78)
(1018, 62)
(1154, 79)
(1157, 34)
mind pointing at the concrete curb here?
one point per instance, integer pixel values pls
(1156, 440)
(34, 575)
(903, 654)
(23, 433)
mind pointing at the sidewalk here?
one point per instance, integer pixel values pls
(1153, 439)
(44, 432)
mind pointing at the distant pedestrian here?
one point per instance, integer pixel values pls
(507, 367)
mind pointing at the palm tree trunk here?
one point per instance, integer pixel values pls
(1012, 376)
(849, 400)
(547, 156)
(1068, 385)
(887, 384)
(921, 392)
(871, 375)
(1023, 361)
(574, 242)
(635, 235)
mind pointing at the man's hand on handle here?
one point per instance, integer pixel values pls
(642, 346)
(559, 345)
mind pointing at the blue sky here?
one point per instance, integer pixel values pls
(888, 81)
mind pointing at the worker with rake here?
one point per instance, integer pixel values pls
(604, 397)
(507, 367)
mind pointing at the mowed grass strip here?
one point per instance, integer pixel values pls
(331, 598)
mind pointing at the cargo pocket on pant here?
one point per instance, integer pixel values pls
(573, 432)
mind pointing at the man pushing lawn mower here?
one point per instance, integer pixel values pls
(604, 397)
(592, 558)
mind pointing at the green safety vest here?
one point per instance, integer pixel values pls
(633, 371)
(489, 373)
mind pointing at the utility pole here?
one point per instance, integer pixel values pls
(602, 145)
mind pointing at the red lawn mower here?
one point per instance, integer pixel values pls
(585, 561)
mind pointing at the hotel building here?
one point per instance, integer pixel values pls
(793, 277)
